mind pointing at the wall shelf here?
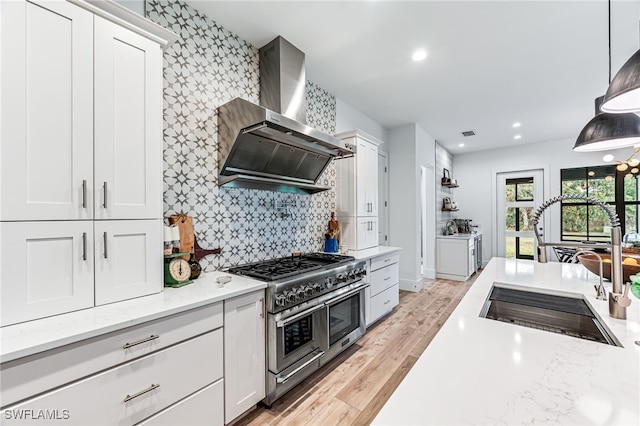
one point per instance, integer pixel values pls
(449, 210)
(450, 185)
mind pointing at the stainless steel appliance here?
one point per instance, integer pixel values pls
(478, 250)
(315, 306)
(270, 146)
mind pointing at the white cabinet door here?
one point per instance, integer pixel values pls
(367, 232)
(129, 261)
(128, 124)
(46, 268)
(244, 353)
(46, 155)
(452, 257)
(367, 178)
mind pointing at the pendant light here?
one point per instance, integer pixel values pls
(623, 94)
(608, 131)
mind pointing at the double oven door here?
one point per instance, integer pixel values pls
(318, 331)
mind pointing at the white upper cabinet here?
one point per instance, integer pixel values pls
(357, 177)
(46, 150)
(128, 126)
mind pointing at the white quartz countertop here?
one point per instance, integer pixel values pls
(36, 336)
(461, 236)
(480, 371)
(373, 252)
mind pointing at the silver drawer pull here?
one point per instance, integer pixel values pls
(284, 379)
(104, 237)
(387, 279)
(84, 246)
(104, 201)
(388, 260)
(84, 194)
(139, 342)
(142, 392)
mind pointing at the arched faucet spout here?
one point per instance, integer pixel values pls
(618, 301)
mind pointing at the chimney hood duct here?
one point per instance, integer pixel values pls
(269, 146)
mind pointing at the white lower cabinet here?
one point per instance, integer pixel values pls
(203, 408)
(384, 291)
(123, 377)
(133, 391)
(46, 268)
(244, 349)
(455, 258)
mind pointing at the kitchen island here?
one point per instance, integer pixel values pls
(481, 371)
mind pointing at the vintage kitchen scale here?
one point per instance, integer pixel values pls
(177, 271)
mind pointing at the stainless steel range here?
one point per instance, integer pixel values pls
(315, 305)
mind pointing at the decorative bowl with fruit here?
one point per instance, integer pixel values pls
(635, 285)
(630, 265)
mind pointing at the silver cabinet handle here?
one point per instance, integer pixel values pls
(387, 279)
(104, 201)
(139, 342)
(84, 246)
(142, 392)
(104, 237)
(84, 193)
(261, 307)
(388, 260)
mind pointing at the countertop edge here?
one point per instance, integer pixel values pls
(373, 252)
(97, 320)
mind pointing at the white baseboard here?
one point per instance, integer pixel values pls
(409, 285)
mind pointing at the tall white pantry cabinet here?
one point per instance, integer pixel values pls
(80, 161)
(357, 192)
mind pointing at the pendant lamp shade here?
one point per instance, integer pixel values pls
(623, 94)
(609, 131)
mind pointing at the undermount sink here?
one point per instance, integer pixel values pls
(569, 315)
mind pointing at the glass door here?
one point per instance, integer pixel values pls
(519, 193)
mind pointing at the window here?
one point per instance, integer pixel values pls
(580, 221)
(519, 214)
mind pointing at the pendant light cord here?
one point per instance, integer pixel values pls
(609, 2)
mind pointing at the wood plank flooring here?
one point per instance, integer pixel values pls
(353, 387)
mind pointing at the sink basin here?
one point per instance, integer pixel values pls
(568, 314)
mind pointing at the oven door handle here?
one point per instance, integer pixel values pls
(346, 295)
(282, 323)
(283, 379)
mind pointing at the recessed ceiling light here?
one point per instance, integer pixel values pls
(517, 137)
(460, 145)
(516, 125)
(607, 158)
(419, 55)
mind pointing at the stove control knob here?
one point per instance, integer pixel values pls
(352, 274)
(362, 272)
(308, 290)
(291, 296)
(281, 300)
(342, 277)
(300, 293)
(317, 287)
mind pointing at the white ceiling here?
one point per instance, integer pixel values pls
(489, 64)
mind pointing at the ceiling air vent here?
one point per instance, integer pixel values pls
(468, 133)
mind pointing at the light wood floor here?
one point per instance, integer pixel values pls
(352, 388)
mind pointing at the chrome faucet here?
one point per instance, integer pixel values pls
(618, 301)
(601, 292)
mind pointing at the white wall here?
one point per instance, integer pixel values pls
(348, 118)
(410, 147)
(476, 174)
(426, 153)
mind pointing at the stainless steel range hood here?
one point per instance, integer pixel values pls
(270, 146)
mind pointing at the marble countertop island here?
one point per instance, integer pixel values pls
(480, 371)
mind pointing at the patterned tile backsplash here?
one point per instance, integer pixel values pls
(205, 68)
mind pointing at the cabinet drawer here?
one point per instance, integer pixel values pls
(382, 261)
(31, 375)
(384, 302)
(384, 278)
(203, 408)
(136, 390)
